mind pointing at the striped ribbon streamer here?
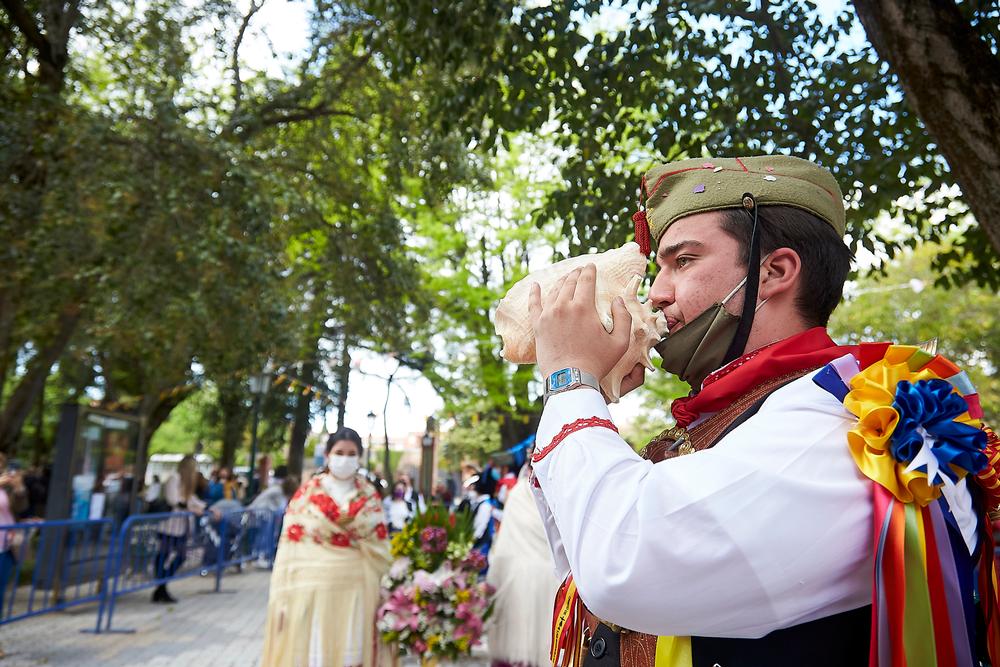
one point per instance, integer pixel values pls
(567, 625)
(920, 617)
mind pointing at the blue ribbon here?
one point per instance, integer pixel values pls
(932, 405)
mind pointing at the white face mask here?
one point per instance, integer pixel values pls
(343, 467)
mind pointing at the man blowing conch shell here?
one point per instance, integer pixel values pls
(761, 527)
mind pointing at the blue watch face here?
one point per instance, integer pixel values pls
(561, 379)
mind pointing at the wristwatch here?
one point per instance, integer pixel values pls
(566, 379)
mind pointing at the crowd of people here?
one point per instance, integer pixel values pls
(211, 498)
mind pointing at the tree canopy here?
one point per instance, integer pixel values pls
(619, 86)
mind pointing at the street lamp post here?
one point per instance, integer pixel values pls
(427, 458)
(371, 427)
(260, 383)
(386, 474)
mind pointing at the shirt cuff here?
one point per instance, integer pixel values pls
(579, 408)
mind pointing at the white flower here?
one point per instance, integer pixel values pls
(400, 568)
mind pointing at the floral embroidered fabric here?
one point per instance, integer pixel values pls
(314, 516)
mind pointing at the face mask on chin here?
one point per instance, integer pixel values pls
(700, 346)
(343, 467)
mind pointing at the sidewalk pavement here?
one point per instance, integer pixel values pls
(204, 628)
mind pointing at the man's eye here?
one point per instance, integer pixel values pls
(683, 260)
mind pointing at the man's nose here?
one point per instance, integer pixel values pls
(661, 292)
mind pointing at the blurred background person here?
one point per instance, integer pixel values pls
(397, 510)
(508, 478)
(13, 500)
(485, 511)
(413, 498)
(180, 494)
(276, 496)
(523, 573)
(442, 494)
(331, 557)
(262, 477)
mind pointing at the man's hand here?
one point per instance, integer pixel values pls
(568, 332)
(634, 380)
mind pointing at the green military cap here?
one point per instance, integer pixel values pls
(683, 188)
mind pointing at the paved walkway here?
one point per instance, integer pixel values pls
(203, 628)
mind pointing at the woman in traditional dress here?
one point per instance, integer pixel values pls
(522, 571)
(332, 554)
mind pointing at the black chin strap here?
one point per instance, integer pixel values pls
(739, 343)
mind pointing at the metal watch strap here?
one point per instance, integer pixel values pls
(576, 378)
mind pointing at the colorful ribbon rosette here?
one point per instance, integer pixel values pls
(918, 437)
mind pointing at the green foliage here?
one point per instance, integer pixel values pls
(469, 440)
(201, 217)
(469, 258)
(187, 425)
(618, 86)
(903, 307)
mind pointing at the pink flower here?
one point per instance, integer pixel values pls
(474, 561)
(471, 628)
(434, 539)
(465, 610)
(424, 581)
(419, 646)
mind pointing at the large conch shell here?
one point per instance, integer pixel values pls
(619, 273)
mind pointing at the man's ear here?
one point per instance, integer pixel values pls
(779, 274)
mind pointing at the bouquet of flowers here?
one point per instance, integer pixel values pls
(435, 604)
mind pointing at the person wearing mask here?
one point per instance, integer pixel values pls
(179, 492)
(397, 511)
(784, 517)
(331, 557)
(414, 499)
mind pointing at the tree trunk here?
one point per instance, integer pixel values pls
(235, 413)
(17, 409)
(7, 354)
(301, 425)
(952, 80)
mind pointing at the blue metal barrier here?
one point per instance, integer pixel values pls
(154, 549)
(52, 565)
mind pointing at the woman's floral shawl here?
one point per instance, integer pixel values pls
(313, 516)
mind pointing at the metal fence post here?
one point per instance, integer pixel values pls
(220, 556)
(114, 542)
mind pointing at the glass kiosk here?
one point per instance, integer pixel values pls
(97, 465)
